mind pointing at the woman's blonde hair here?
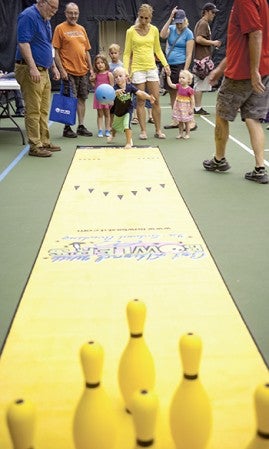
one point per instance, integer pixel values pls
(147, 7)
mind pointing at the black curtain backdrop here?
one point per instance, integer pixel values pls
(94, 11)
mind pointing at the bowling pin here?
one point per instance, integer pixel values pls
(94, 425)
(136, 366)
(261, 403)
(144, 407)
(190, 409)
(21, 417)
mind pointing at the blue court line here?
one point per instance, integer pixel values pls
(13, 163)
(16, 160)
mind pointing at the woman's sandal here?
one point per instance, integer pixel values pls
(143, 136)
(160, 136)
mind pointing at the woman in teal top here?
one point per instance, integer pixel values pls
(141, 45)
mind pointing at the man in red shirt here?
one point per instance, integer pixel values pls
(245, 85)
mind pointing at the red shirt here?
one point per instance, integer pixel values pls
(246, 16)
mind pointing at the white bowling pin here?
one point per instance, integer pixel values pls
(144, 407)
(94, 425)
(261, 403)
(136, 366)
(21, 419)
(190, 410)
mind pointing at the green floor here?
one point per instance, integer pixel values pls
(232, 214)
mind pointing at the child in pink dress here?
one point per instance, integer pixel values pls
(184, 103)
(102, 75)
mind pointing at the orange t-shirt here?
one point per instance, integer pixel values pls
(72, 43)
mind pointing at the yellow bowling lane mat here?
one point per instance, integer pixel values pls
(120, 230)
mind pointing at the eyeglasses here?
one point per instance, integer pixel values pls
(142, 17)
(53, 8)
(70, 13)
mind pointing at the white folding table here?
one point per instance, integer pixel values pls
(7, 85)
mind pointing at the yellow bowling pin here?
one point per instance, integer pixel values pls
(136, 367)
(21, 417)
(94, 425)
(261, 402)
(144, 407)
(190, 410)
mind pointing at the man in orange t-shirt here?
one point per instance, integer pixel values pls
(245, 85)
(72, 57)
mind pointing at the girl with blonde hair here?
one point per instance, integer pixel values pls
(184, 103)
(179, 49)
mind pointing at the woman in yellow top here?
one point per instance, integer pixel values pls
(142, 44)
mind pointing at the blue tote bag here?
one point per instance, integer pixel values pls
(63, 109)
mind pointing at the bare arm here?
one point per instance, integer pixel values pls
(254, 45)
(164, 33)
(55, 72)
(58, 61)
(215, 75)
(169, 82)
(89, 60)
(111, 78)
(189, 52)
(207, 42)
(26, 53)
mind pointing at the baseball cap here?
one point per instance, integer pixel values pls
(180, 16)
(210, 7)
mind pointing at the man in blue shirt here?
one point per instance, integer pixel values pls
(33, 59)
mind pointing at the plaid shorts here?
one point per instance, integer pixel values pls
(239, 94)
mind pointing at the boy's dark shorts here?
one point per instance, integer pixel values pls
(238, 94)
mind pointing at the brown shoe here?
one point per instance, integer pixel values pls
(39, 152)
(51, 147)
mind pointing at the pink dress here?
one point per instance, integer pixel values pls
(101, 78)
(182, 105)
